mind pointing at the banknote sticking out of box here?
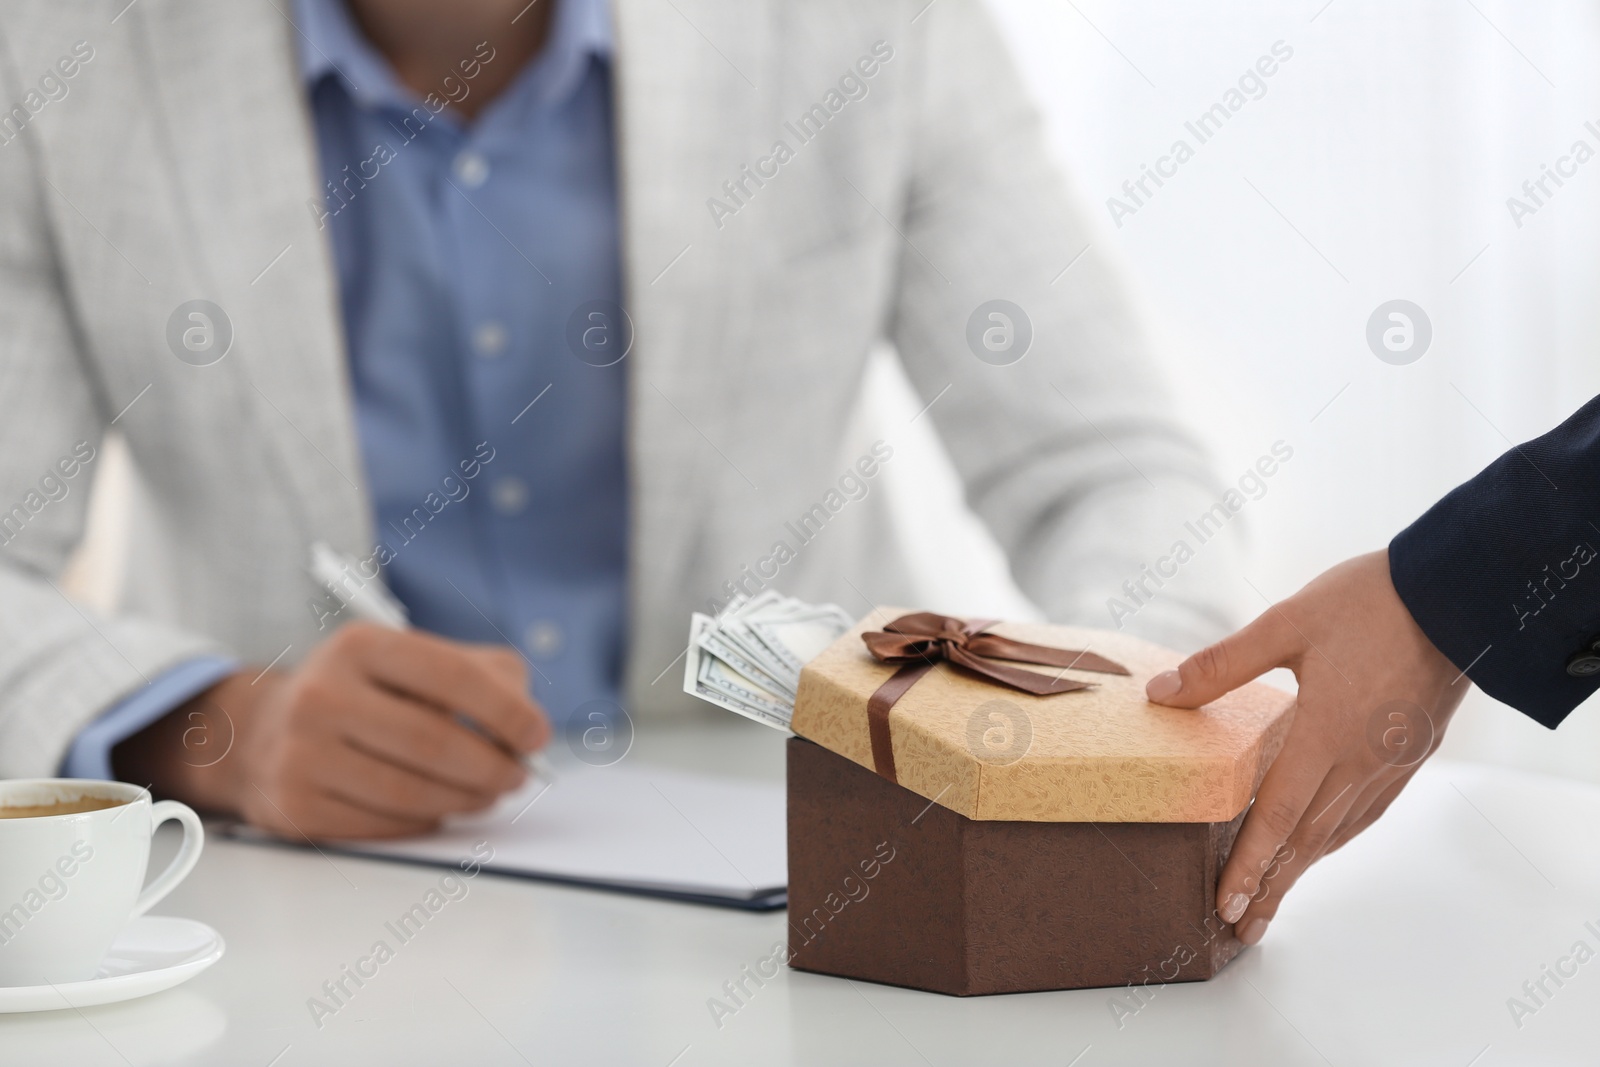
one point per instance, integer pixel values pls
(1027, 842)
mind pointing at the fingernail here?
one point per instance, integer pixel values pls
(1162, 686)
(1233, 907)
(1253, 931)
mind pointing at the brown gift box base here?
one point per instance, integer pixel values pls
(888, 887)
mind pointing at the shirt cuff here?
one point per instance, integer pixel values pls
(90, 753)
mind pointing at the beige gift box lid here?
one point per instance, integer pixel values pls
(1095, 755)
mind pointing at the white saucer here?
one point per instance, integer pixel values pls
(153, 952)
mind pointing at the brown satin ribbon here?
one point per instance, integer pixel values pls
(919, 641)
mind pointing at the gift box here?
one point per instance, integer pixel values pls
(980, 807)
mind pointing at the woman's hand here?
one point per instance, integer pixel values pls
(1375, 697)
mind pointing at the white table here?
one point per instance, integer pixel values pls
(1403, 949)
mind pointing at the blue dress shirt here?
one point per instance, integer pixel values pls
(479, 271)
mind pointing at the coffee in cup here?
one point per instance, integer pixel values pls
(73, 854)
(75, 806)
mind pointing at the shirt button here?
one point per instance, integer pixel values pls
(543, 639)
(510, 495)
(472, 169)
(489, 339)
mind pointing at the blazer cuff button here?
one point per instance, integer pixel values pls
(1583, 664)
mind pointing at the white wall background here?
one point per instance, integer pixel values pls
(1376, 166)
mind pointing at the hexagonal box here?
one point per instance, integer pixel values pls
(979, 839)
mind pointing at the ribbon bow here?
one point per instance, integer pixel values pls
(919, 641)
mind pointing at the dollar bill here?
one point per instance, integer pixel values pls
(748, 658)
(781, 634)
(710, 679)
(716, 643)
(799, 637)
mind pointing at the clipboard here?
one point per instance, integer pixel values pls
(639, 829)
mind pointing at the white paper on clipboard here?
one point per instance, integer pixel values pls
(629, 827)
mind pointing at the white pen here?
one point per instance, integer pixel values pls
(370, 600)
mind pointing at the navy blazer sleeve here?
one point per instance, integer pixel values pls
(1503, 573)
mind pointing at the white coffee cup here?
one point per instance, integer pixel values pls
(70, 883)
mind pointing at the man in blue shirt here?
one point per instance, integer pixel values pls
(356, 282)
(454, 335)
